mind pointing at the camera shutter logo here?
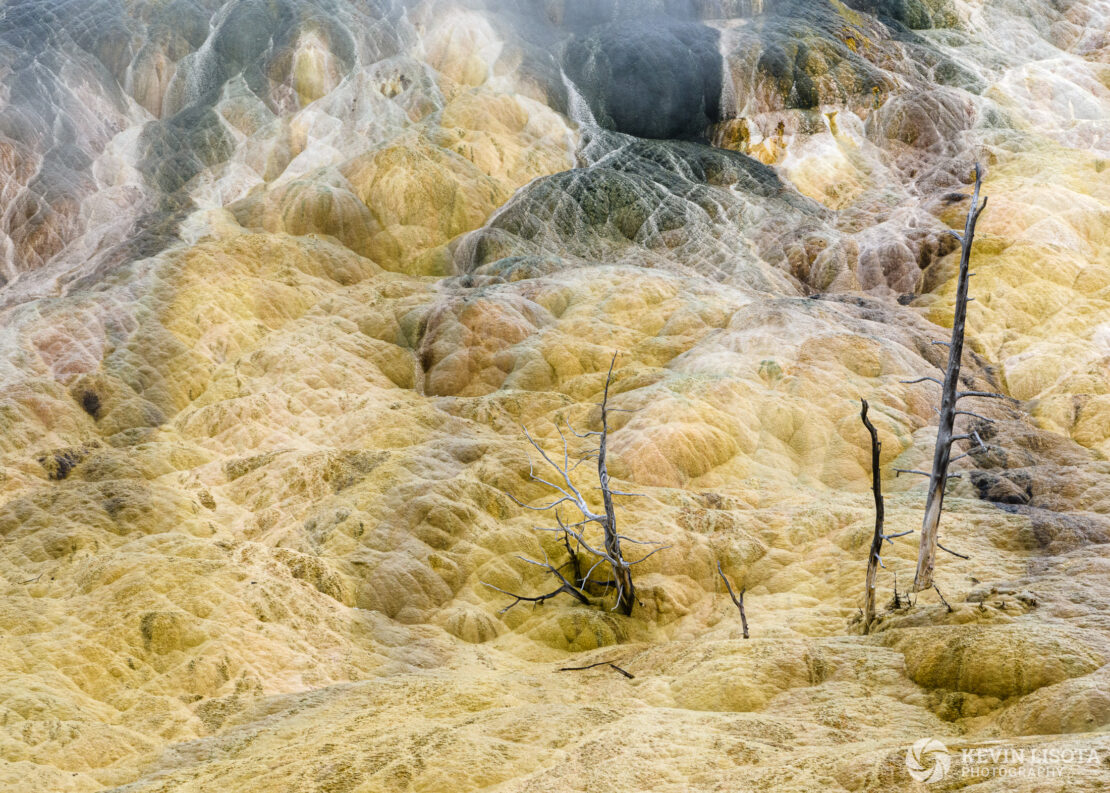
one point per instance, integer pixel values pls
(927, 760)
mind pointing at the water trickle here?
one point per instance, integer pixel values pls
(726, 42)
(577, 107)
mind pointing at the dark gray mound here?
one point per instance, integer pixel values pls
(655, 78)
(678, 206)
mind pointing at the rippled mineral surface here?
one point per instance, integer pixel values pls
(281, 281)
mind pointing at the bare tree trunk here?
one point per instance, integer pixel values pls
(877, 540)
(610, 552)
(950, 394)
(626, 591)
(739, 601)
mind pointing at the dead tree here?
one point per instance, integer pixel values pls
(875, 558)
(609, 553)
(739, 601)
(950, 396)
(622, 572)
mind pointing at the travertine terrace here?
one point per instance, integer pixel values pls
(281, 280)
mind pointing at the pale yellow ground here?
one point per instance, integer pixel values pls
(255, 563)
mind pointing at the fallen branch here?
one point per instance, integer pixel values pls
(629, 675)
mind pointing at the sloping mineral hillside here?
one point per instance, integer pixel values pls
(281, 281)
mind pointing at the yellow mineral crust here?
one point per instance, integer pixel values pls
(254, 485)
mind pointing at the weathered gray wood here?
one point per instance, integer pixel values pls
(950, 394)
(566, 586)
(922, 473)
(941, 596)
(616, 668)
(626, 590)
(610, 552)
(739, 601)
(875, 555)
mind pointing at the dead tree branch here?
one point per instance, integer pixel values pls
(922, 473)
(987, 394)
(626, 590)
(948, 550)
(880, 512)
(739, 601)
(922, 380)
(609, 551)
(566, 586)
(575, 564)
(949, 396)
(538, 598)
(629, 675)
(942, 600)
(875, 557)
(974, 415)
